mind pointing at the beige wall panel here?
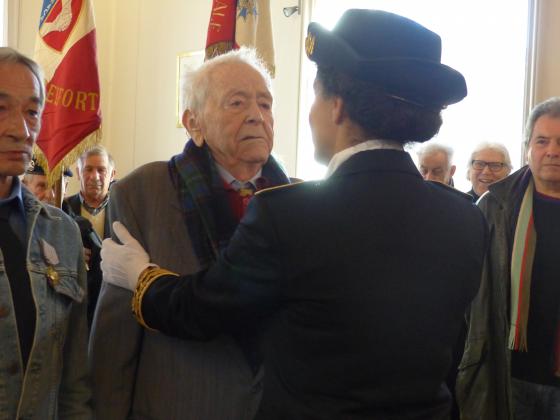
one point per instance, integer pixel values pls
(287, 47)
(117, 46)
(27, 23)
(547, 77)
(164, 32)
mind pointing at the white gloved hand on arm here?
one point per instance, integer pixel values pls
(123, 264)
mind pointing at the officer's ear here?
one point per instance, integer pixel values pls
(194, 129)
(338, 113)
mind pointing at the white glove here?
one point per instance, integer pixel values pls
(122, 264)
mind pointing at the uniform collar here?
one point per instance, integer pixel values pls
(342, 156)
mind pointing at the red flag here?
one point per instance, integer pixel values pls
(66, 49)
(221, 29)
(235, 23)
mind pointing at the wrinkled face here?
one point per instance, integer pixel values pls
(544, 153)
(237, 122)
(482, 178)
(20, 117)
(38, 185)
(322, 126)
(95, 177)
(435, 167)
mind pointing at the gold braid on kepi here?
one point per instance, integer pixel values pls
(147, 277)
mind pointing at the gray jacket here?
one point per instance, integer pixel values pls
(56, 383)
(141, 374)
(484, 379)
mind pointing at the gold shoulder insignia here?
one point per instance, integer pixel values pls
(310, 44)
(278, 187)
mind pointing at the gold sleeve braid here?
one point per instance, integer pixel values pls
(147, 277)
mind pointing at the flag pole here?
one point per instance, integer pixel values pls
(59, 191)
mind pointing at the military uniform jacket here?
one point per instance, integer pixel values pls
(358, 285)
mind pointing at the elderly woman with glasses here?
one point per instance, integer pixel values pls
(489, 163)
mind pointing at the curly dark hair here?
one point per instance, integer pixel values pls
(379, 114)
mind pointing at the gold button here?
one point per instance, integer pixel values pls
(52, 276)
(4, 312)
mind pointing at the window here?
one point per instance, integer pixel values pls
(481, 40)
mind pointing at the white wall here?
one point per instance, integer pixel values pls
(547, 74)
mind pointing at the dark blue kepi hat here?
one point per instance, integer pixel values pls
(390, 51)
(36, 169)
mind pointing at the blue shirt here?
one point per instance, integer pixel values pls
(235, 183)
(17, 213)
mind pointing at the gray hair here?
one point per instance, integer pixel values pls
(197, 83)
(432, 148)
(97, 150)
(11, 56)
(550, 107)
(496, 147)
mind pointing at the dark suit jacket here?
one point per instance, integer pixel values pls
(360, 283)
(140, 374)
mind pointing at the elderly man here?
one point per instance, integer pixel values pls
(489, 163)
(35, 180)
(356, 318)
(435, 163)
(96, 171)
(43, 332)
(512, 351)
(184, 212)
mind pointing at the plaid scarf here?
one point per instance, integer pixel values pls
(208, 216)
(522, 257)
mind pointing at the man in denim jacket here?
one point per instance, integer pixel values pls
(43, 331)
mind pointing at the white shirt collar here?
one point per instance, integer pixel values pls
(235, 183)
(342, 156)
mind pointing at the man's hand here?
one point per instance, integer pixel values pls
(122, 264)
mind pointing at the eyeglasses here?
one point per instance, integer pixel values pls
(479, 165)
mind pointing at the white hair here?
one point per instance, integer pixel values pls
(496, 147)
(197, 83)
(431, 148)
(96, 150)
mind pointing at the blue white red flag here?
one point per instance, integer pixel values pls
(66, 49)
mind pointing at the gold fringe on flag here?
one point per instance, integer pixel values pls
(71, 157)
(218, 49)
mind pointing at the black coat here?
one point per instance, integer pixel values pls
(358, 285)
(73, 207)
